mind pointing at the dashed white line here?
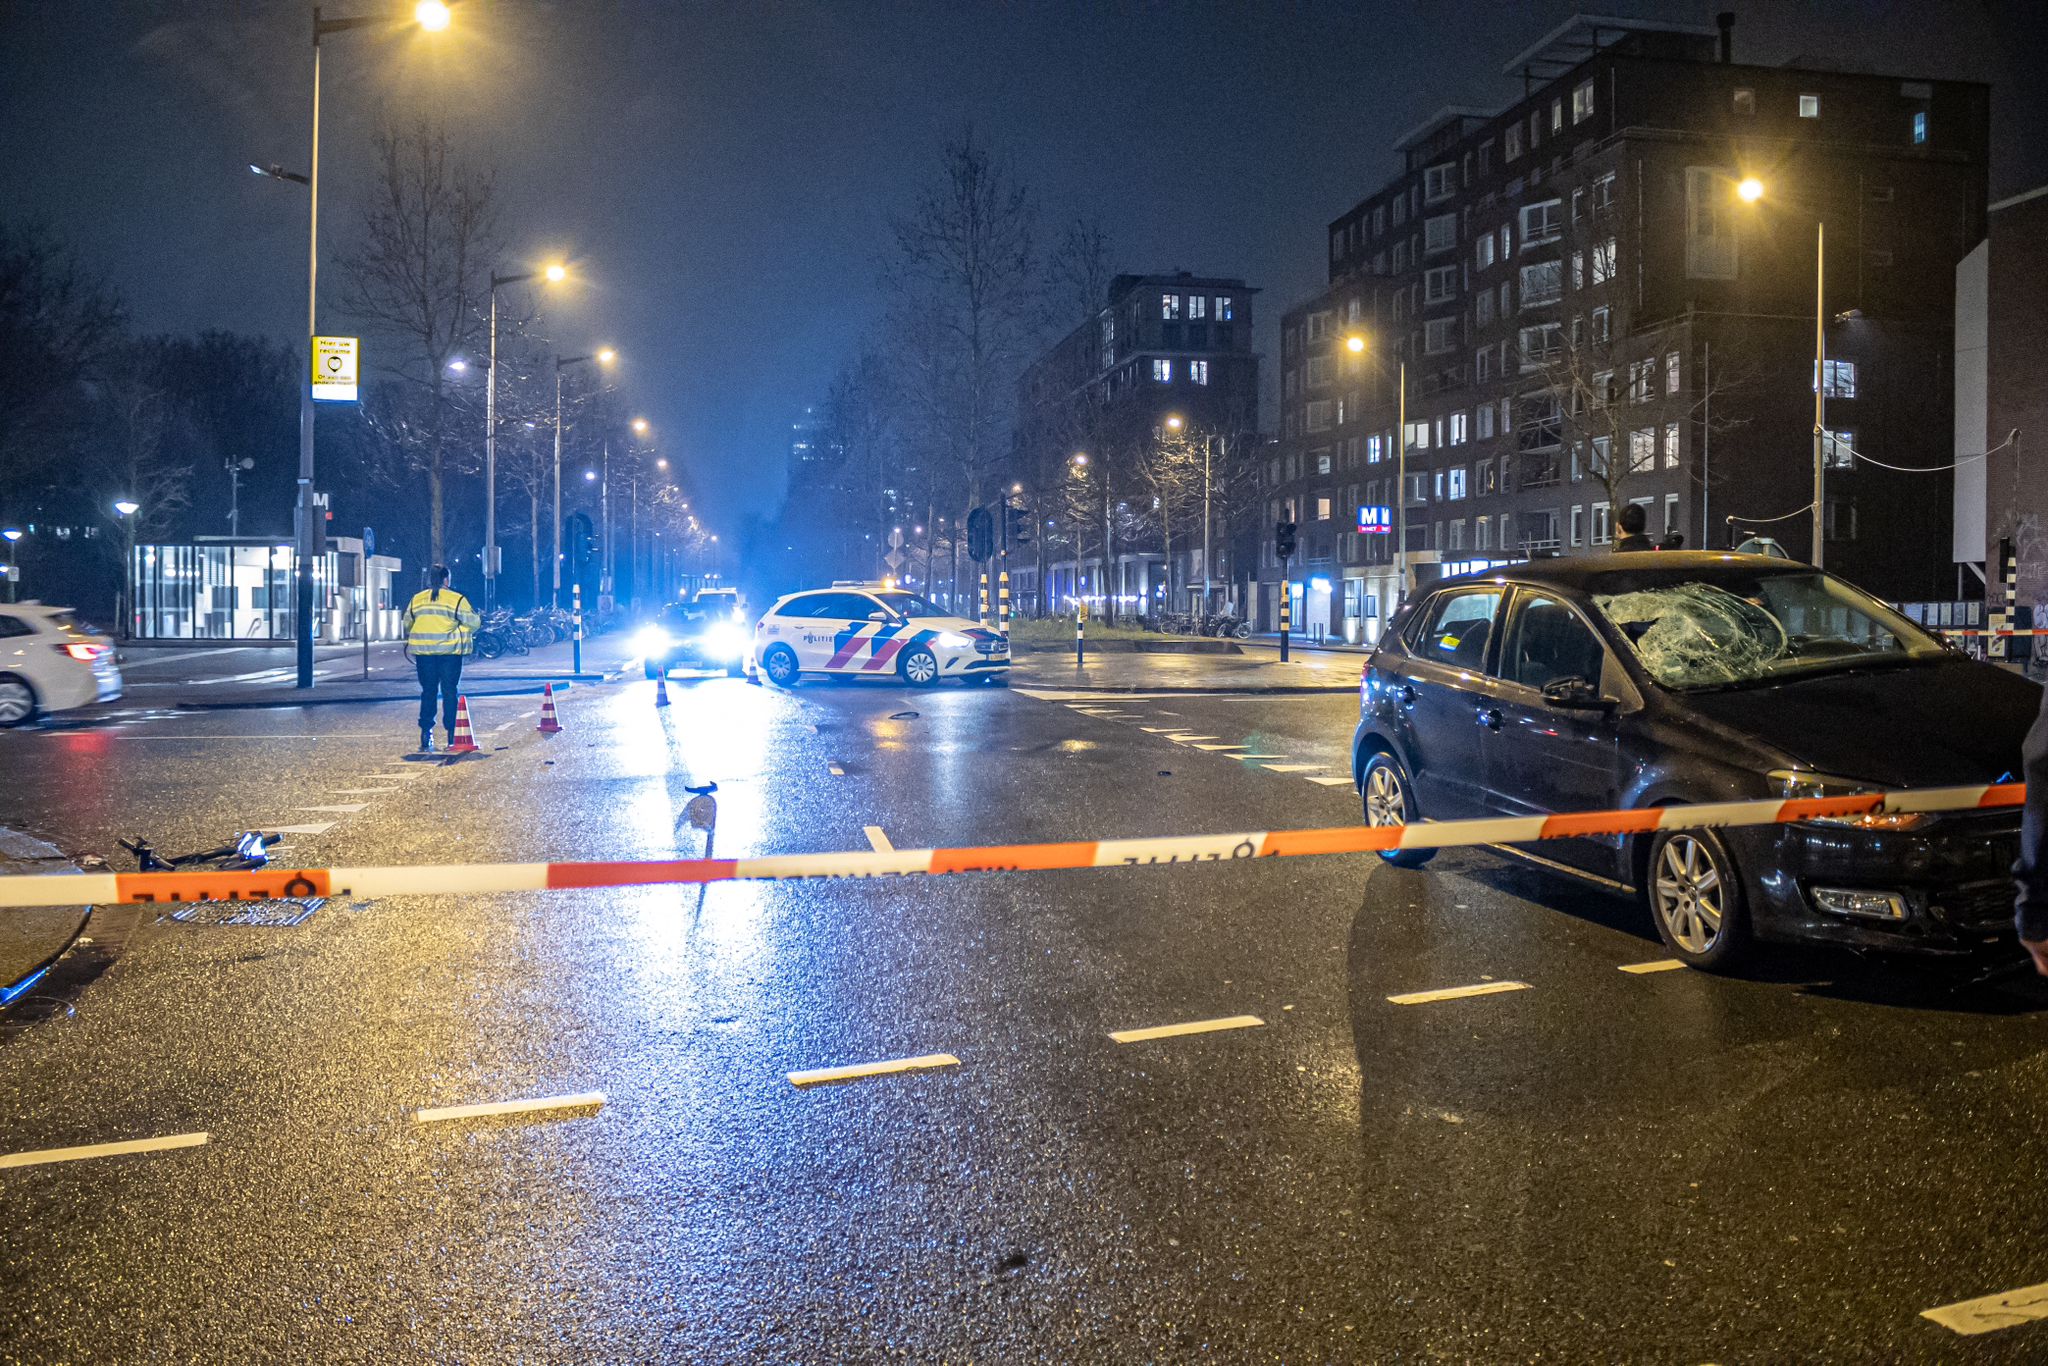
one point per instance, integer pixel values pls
(1188, 739)
(318, 828)
(1420, 998)
(1213, 748)
(1258, 756)
(581, 1100)
(345, 808)
(362, 791)
(878, 840)
(1655, 965)
(133, 1145)
(1989, 1313)
(1294, 768)
(1331, 782)
(835, 770)
(1162, 730)
(1191, 1027)
(819, 1076)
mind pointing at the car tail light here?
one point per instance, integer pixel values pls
(84, 653)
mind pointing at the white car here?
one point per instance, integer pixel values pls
(48, 664)
(874, 632)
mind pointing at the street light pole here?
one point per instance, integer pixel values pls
(1401, 484)
(1207, 441)
(1820, 392)
(602, 357)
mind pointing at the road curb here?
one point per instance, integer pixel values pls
(535, 689)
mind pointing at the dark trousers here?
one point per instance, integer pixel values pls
(438, 674)
(2031, 872)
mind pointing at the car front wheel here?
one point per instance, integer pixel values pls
(17, 702)
(1695, 897)
(1389, 799)
(920, 668)
(780, 666)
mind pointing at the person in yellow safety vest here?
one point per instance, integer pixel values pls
(440, 628)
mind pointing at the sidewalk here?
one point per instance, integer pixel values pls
(1132, 671)
(338, 679)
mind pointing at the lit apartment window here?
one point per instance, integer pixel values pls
(1582, 102)
(1671, 372)
(1557, 114)
(1809, 106)
(1169, 307)
(1482, 251)
(1440, 284)
(1373, 448)
(1542, 222)
(1440, 233)
(1504, 240)
(1745, 100)
(1919, 127)
(1671, 445)
(1642, 450)
(1578, 527)
(1841, 379)
(1603, 261)
(1162, 372)
(1840, 449)
(1578, 275)
(1198, 306)
(1455, 486)
(1460, 424)
(1198, 371)
(1322, 507)
(1223, 311)
(1322, 459)
(1418, 436)
(1670, 513)
(1603, 523)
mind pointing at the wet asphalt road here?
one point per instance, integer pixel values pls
(1602, 1166)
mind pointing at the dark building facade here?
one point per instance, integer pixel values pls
(1167, 359)
(1590, 313)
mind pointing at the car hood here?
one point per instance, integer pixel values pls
(1951, 723)
(972, 629)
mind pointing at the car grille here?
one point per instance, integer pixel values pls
(991, 647)
(1975, 906)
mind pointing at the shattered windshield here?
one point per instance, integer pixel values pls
(1738, 629)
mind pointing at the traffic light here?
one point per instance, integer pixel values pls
(981, 535)
(1283, 540)
(577, 543)
(1016, 525)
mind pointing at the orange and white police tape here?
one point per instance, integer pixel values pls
(2000, 631)
(456, 878)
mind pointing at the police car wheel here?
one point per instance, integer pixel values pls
(920, 668)
(780, 666)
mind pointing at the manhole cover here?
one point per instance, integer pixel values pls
(278, 914)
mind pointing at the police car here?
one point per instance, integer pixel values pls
(873, 631)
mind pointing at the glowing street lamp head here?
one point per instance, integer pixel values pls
(555, 273)
(1173, 422)
(433, 15)
(590, 476)
(605, 355)
(1080, 458)
(639, 426)
(1354, 343)
(1750, 188)
(127, 508)
(458, 365)
(662, 463)
(12, 533)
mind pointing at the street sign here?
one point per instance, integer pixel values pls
(893, 560)
(1376, 520)
(369, 541)
(896, 539)
(335, 364)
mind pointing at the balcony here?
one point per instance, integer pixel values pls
(1533, 546)
(1537, 474)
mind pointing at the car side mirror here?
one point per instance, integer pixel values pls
(1573, 694)
(879, 615)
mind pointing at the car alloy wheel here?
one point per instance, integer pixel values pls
(1695, 897)
(780, 666)
(1388, 800)
(920, 668)
(17, 702)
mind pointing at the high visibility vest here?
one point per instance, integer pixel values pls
(440, 622)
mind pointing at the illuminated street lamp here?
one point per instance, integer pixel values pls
(1750, 190)
(433, 16)
(554, 273)
(605, 356)
(127, 508)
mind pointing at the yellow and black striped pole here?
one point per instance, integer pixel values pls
(1286, 613)
(1080, 630)
(1003, 603)
(984, 600)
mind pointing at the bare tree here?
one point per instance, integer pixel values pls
(136, 421)
(59, 328)
(418, 277)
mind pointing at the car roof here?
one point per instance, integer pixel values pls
(1582, 572)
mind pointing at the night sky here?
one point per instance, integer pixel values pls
(721, 173)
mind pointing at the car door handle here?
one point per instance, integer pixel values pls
(1405, 694)
(1489, 717)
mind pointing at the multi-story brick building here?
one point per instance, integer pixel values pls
(1589, 312)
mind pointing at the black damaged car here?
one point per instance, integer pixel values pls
(1649, 679)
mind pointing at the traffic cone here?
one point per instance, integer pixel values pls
(464, 742)
(661, 690)
(549, 723)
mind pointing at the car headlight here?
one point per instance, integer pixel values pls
(1792, 783)
(652, 640)
(725, 640)
(953, 640)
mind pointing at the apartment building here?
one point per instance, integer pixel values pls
(1608, 293)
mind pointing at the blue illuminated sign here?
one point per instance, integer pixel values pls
(1376, 520)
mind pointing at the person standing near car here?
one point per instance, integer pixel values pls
(1632, 521)
(2030, 874)
(440, 628)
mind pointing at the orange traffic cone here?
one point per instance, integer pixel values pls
(464, 742)
(549, 724)
(661, 690)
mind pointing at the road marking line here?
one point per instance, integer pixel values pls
(879, 840)
(582, 1100)
(1331, 782)
(1258, 756)
(1989, 1313)
(1418, 998)
(1188, 739)
(346, 808)
(1191, 1027)
(133, 1145)
(1294, 768)
(361, 791)
(1164, 730)
(1217, 747)
(319, 828)
(386, 777)
(1656, 965)
(819, 1076)
(835, 770)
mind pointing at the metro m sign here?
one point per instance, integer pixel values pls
(1376, 520)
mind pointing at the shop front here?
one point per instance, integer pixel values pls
(223, 588)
